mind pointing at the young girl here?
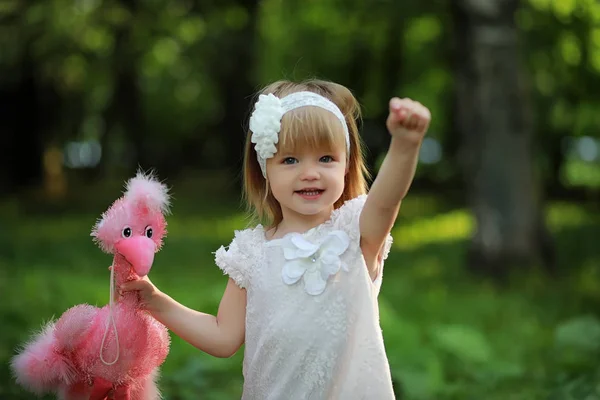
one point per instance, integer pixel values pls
(302, 290)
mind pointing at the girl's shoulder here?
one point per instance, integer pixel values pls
(249, 238)
(241, 255)
(347, 216)
(350, 207)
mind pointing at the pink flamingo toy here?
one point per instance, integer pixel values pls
(113, 352)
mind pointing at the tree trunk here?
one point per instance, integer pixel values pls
(234, 73)
(128, 91)
(125, 108)
(392, 71)
(28, 110)
(494, 120)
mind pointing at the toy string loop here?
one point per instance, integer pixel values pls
(111, 318)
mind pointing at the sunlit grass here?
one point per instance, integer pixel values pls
(581, 173)
(460, 224)
(448, 335)
(456, 225)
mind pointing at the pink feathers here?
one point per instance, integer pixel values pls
(144, 189)
(69, 356)
(39, 367)
(144, 205)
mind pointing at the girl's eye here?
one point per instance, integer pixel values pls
(326, 159)
(289, 160)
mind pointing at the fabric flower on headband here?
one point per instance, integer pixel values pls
(265, 124)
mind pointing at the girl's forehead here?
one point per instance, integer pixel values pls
(313, 150)
(311, 128)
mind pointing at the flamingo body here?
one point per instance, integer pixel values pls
(112, 352)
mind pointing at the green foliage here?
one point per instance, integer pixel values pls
(578, 342)
(447, 335)
(465, 344)
(562, 53)
(581, 173)
(181, 57)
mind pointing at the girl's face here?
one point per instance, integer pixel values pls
(307, 182)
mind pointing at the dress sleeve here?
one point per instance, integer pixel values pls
(383, 255)
(235, 260)
(349, 220)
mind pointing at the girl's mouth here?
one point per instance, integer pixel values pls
(310, 194)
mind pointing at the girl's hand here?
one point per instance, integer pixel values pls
(408, 119)
(151, 298)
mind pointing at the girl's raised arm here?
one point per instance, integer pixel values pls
(407, 123)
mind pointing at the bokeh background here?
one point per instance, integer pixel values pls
(492, 289)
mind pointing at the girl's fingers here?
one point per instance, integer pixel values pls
(409, 117)
(395, 103)
(420, 118)
(408, 114)
(423, 124)
(401, 109)
(402, 115)
(412, 120)
(132, 285)
(425, 118)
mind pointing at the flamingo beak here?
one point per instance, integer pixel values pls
(139, 252)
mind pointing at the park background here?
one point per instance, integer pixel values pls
(492, 288)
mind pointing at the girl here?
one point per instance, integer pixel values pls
(302, 290)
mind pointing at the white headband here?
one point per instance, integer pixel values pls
(265, 122)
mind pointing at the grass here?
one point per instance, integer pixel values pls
(448, 335)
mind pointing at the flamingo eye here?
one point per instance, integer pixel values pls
(149, 232)
(126, 232)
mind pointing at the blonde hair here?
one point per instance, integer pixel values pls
(307, 127)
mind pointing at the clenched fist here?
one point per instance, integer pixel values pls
(408, 119)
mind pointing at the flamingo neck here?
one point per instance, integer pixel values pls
(123, 270)
(120, 273)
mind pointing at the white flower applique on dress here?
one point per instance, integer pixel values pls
(313, 262)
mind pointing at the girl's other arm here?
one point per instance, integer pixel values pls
(219, 336)
(407, 123)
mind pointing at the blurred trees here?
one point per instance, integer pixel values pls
(168, 84)
(494, 118)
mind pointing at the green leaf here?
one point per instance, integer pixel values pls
(577, 343)
(579, 334)
(463, 342)
(421, 383)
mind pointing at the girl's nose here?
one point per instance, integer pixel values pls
(309, 173)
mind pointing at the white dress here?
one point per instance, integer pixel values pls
(312, 318)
